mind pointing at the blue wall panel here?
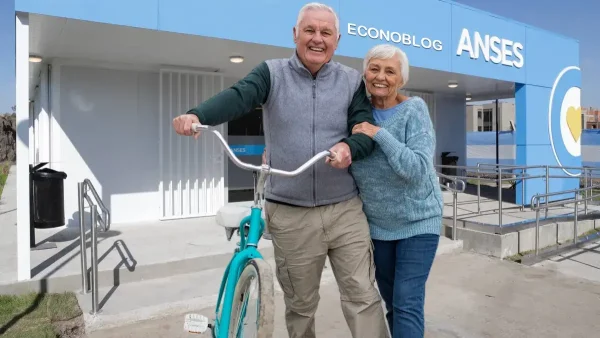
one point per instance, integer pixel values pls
(531, 109)
(590, 143)
(548, 54)
(591, 137)
(502, 39)
(426, 45)
(135, 13)
(412, 25)
(534, 155)
(267, 22)
(488, 138)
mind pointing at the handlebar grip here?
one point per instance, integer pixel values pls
(197, 126)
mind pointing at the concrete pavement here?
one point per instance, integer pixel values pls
(583, 262)
(8, 227)
(468, 295)
(177, 293)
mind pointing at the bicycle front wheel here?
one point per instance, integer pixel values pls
(253, 308)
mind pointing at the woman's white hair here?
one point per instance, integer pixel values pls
(317, 6)
(387, 51)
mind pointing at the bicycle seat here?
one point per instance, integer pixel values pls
(230, 215)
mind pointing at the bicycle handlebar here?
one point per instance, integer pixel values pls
(196, 127)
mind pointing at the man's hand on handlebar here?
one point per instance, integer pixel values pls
(340, 156)
(183, 125)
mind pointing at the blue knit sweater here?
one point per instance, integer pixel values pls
(397, 182)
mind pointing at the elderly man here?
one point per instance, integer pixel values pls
(310, 104)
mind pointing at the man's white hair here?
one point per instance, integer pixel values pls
(317, 6)
(387, 51)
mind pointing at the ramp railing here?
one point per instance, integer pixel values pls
(456, 182)
(84, 189)
(501, 174)
(577, 199)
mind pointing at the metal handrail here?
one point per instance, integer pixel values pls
(463, 184)
(105, 221)
(455, 193)
(99, 219)
(586, 175)
(535, 203)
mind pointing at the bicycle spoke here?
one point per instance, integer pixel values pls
(244, 323)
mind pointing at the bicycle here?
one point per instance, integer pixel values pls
(247, 264)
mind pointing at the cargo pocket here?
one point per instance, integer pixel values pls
(371, 262)
(272, 219)
(283, 277)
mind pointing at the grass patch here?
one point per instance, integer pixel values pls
(4, 169)
(40, 315)
(594, 194)
(518, 257)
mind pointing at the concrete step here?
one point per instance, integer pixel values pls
(177, 294)
(129, 303)
(131, 253)
(448, 246)
(125, 274)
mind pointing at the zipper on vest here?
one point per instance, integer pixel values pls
(314, 141)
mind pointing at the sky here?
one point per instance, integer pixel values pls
(7, 55)
(576, 20)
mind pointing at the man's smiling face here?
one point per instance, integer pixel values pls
(316, 39)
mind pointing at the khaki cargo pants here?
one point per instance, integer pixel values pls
(302, 239)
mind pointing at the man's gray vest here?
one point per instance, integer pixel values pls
(303, 116)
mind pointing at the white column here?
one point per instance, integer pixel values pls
(54, 130)
(31, 122)
(22, 103)
(43, 130)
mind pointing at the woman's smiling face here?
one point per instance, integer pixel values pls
(383, 77)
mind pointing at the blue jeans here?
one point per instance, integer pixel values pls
(401, 270)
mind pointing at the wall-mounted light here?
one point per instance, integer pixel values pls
(236, 58)
(468, 98)
(35, 58)
(452, 84)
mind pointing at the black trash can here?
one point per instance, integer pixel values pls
(47, 200)
(449, 160)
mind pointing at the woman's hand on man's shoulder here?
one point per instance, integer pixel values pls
(365, 128)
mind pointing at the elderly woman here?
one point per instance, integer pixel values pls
(399, 189)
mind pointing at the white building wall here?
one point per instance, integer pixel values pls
(40, 119)
(108, 125)
(34, 126)
(105, 126)
(192, 172)
(451, 127)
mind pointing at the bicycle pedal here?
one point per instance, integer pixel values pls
(195, 323)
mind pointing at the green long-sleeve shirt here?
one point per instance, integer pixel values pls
(253, 90)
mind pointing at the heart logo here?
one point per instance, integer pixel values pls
(574, 122)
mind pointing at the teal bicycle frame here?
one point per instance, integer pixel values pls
(248, 245)
(246, 251)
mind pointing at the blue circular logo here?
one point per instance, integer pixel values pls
(564, 119)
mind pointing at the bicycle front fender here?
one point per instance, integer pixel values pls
(230, 279)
